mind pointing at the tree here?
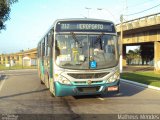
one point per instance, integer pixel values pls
(147, 53)
(133, 56)
(137, 55)
(130, 56)
(5, 11)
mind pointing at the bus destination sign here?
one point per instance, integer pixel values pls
(85, 26)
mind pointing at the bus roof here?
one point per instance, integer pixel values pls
(82, 19)
(74, 19)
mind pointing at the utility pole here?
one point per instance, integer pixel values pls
(121, 44)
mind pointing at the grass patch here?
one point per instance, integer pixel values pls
(16, 67)
(149, 77)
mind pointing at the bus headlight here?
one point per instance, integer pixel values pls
(63, 80)
(113, 78)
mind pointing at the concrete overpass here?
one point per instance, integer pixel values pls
(144, 31)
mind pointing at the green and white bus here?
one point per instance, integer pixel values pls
(79, 57)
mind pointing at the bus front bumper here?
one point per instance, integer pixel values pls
(75, 90)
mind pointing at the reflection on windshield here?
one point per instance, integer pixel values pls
(86, 51)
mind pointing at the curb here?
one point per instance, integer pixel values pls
(140, 84)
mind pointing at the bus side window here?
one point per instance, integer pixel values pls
(39, 50)
(46, 45)
(50, 44)
(42, 48)
(52, 39)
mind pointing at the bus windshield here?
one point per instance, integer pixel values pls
(77, 51)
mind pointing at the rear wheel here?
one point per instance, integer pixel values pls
(42, 82)
(41, 79)
(52, 95)
(47, 81)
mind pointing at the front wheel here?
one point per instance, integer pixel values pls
(52, 88)
(51, 94)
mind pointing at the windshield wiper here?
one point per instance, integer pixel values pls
(75, 38)
(99, 39)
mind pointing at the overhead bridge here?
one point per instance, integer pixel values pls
(144, 31)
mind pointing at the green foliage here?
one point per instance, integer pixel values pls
(147, 53)
(132, 55)
(5, 11)
(149, 78)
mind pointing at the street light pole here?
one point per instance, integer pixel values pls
(121, 44)
(88, 10)
(108, 12)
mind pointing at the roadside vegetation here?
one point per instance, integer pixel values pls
(139, 56)
(148, 77)
(5, 8)
(3, 67)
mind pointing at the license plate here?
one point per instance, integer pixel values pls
(113, 88)
(89, 89)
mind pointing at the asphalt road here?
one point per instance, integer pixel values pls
(21, 93)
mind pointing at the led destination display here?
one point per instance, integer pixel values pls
(85, 26)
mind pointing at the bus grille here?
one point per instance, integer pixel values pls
(85, 82)
(88, 76)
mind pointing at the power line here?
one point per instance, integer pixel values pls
(143, 10)
(139, 4)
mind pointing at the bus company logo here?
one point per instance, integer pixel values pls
(89, 82)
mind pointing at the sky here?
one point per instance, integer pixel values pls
(31, 19)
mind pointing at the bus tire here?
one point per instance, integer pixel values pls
(41, 80)
(51, 94)
(54, 91)
(47, 81)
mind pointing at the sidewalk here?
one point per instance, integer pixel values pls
(140, 84)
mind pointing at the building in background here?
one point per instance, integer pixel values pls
(23, 58)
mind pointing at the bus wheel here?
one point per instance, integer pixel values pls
(52, 95)
(41, 80)
(52, 92)
(47, 81)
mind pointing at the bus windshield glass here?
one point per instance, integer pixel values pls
(77, 51)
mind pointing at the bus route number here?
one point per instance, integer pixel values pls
(64, 26)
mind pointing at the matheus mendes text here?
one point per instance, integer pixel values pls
(138, 117)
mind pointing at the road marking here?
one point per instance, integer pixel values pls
(100, 98)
